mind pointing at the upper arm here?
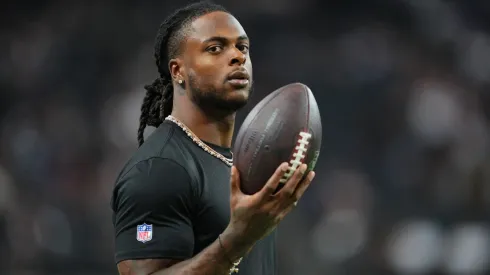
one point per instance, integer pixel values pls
(144, 267)
(158, 193)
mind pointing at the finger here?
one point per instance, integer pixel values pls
(303, 185)
(292, 183)
(273, 182)
(235, 181)
(286, 211)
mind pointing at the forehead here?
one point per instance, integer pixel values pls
(216, 24)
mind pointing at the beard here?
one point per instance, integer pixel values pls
(214, 101)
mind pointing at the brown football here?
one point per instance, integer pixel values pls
(284, 127)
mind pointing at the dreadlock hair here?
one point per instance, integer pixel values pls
(157, 104)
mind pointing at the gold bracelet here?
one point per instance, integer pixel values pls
(234, 268)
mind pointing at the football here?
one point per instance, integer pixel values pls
(285, 126)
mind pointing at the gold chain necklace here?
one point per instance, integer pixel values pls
(199, 142)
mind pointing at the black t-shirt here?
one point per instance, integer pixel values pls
(172, 200)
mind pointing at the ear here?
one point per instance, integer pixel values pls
(176, 68)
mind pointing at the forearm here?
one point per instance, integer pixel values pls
(216, 259)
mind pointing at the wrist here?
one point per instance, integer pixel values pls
(234, 245)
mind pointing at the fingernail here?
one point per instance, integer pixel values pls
(312, 176)
(233, 171)
(284, 166)
(302, 168)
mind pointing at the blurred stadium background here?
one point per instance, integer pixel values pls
(403, 181)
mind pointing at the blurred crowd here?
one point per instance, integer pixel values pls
(403, 179)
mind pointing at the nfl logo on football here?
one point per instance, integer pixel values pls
(144, 233)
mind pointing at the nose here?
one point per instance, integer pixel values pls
(238, 57)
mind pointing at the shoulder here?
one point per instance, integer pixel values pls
(163, 165)
(166, 142)
(152, 180)
(156, 192)
(154, 168)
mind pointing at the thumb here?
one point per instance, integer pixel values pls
(235, 181)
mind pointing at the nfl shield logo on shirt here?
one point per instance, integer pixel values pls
(144, 233)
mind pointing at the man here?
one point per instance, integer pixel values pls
(172, 208)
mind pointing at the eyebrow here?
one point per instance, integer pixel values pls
(223, 39)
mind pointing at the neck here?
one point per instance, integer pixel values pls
(216, 130)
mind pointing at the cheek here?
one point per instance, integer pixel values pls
(200, 77)
(249, 68)
(206, 71)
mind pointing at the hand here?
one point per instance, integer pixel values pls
(255, 216)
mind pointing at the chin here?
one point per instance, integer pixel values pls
(240, 93)
(238, 97)
(233, 102)
(224, 105)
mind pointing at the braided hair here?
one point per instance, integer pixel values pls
(157, 103)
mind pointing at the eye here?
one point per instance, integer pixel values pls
(215, 49)
(243, 48)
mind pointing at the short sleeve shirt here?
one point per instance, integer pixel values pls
(172, 200)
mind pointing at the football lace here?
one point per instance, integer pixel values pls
(298, 156)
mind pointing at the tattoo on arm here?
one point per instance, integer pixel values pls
(211, 261)
(146, 266)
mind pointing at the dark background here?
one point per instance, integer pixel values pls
(403, 180)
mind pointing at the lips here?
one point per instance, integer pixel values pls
(240, 74)
(239, 78)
